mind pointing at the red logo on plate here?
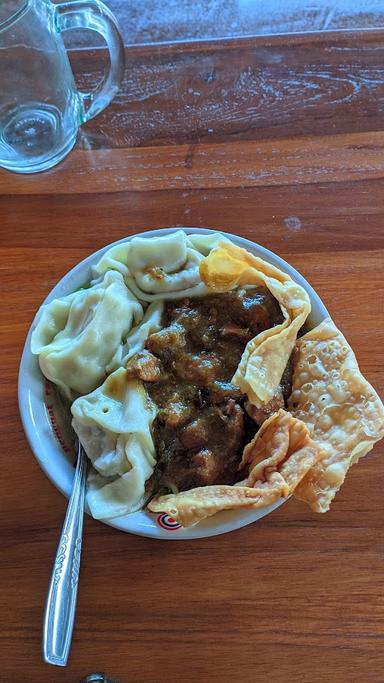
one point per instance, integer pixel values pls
(168, 523)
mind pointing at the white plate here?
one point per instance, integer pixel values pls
(46, 440)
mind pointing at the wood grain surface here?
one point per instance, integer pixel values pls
(154, 21)
(282, 141)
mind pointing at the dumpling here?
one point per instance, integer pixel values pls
(114, 258)
(114, 425)
(341, 409)
(278, 457)
(164, 264)
(204, 243)
(135, 341)
(76, 336)
(265, 357)
(161, 268)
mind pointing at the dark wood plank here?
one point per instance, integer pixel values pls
(243, 89)
(147, 21)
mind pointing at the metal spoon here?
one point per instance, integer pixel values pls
(61, 600)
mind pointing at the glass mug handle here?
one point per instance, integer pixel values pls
(94, 15)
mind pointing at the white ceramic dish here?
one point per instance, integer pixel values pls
(44, 436)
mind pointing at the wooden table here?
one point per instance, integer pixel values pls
(280, 140)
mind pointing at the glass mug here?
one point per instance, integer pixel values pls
(41, 109)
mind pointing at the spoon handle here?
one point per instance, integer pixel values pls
(61, 600)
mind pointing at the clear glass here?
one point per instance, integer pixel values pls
(41, 109)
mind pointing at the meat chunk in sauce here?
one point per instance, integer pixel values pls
(204, 467)
(259, 415)
(145, 366)
(221, 391)
(234, 331)
(175, 415)
(201, 428)
(167, 342)
(200, 369)
(194, 455)
(195, 434)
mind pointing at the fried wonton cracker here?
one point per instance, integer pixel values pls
(278, 457)
(282, 445)
(343, 412)
(190, 507)
(266, 355)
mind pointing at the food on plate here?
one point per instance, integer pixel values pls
(196, 386)
(276, 459)
(114, 424)
(201, 427)
(267, 354)
(161, 268)
(342, 410)
(77, 335)
(135, 340)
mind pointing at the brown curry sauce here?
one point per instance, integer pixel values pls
(202, 427)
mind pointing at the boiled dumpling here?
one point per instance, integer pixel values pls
(114, 258)
(164, 267)
(114, 426)
(135, 341)
(77, 336)
(160, 268)
(205, 242)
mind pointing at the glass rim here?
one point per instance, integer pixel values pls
(6, 23)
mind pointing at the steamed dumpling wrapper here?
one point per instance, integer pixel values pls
(265, 357)
(164, 265)
(76, 336)
(161, 267)
(277, 458)
(204, 243)
(114, 425)
(136, 338)
(157, 268)
(341, 409)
